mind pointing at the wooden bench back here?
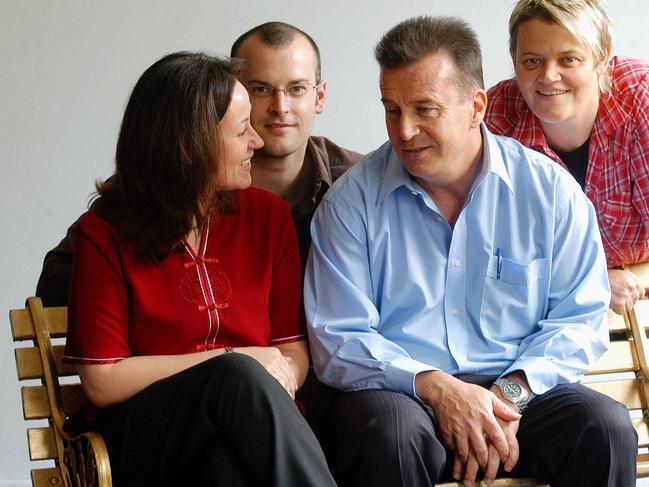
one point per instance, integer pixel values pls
(80, 460)
(623, 373)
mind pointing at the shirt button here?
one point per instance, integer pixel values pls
(587, 188)
(414, 193)
(456, 263)
(455, 311)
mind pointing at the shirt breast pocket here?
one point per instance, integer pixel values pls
(616, 213)
(513, 296)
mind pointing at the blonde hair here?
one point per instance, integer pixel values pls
(587, 20)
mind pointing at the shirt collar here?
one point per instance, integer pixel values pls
(493, 159)
(322, 180)
(610, 115)
(396, 175)
(317, 158)
(529, 131)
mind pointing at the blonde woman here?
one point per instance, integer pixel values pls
(589, 111)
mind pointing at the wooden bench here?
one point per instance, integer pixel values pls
(78, 460)
(621, 373)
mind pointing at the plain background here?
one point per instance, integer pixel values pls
(68, 70)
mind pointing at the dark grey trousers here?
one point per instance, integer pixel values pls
(571, 436)
(224, 422)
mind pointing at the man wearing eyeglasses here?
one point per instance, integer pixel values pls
(283, 77)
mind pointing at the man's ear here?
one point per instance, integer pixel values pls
(479, 107)
(321, 95)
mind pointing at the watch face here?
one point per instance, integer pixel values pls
(512, 390)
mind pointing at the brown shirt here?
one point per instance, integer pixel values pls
(329, 161)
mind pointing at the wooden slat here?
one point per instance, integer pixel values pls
(641, 309)
(47, 477)
(42, 445)
(36, 404)
(626, 391)
(57, 321)
(616, 322)
(643, 465)
(504, 482)
(22, 327)
(641, 427)
(618, 358)
(29, 365)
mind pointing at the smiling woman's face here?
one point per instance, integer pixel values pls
(238, 142)
(556, 74)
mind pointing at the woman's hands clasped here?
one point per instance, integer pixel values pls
(276, 364)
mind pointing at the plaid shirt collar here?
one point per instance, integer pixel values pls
(529, 132)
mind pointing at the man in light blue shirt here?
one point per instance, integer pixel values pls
(455, 279)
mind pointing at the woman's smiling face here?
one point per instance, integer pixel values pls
(557, 75)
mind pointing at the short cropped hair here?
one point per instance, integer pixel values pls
(277, 34)
(413, 39)
(587, 20)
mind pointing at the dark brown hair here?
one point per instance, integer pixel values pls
(168, 153)
(413, 39)
(277, 34)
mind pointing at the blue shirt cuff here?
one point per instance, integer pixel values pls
(401, 373)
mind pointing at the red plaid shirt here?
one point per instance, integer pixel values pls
(617, 179)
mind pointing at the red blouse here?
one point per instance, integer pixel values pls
(241, 288)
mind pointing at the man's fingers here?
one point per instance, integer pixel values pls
(504, 412)
(458, 467)
(492, 466)
(462, 448)
(480, 449)
(512, 459)
(471, 470)
(497, 438)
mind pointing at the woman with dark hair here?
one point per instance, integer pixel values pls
(589, 111)
(185, 319)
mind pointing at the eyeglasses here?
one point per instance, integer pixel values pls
(297, 90)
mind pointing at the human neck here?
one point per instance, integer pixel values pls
(193, 238)
(283, 176)
(451, 192)
(570, 134)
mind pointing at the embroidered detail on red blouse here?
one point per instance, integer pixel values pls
(207, 287)
(190, 287)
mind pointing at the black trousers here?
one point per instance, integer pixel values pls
(224, 422)
(570, 436)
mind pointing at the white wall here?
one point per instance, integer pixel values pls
(67, 70)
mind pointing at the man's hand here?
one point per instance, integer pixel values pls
(467, 416)
(470, 470)
(626, 289)
(510, 428)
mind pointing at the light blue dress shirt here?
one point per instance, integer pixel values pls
(519, 283)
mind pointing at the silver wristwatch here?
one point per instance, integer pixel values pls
(513, 392)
